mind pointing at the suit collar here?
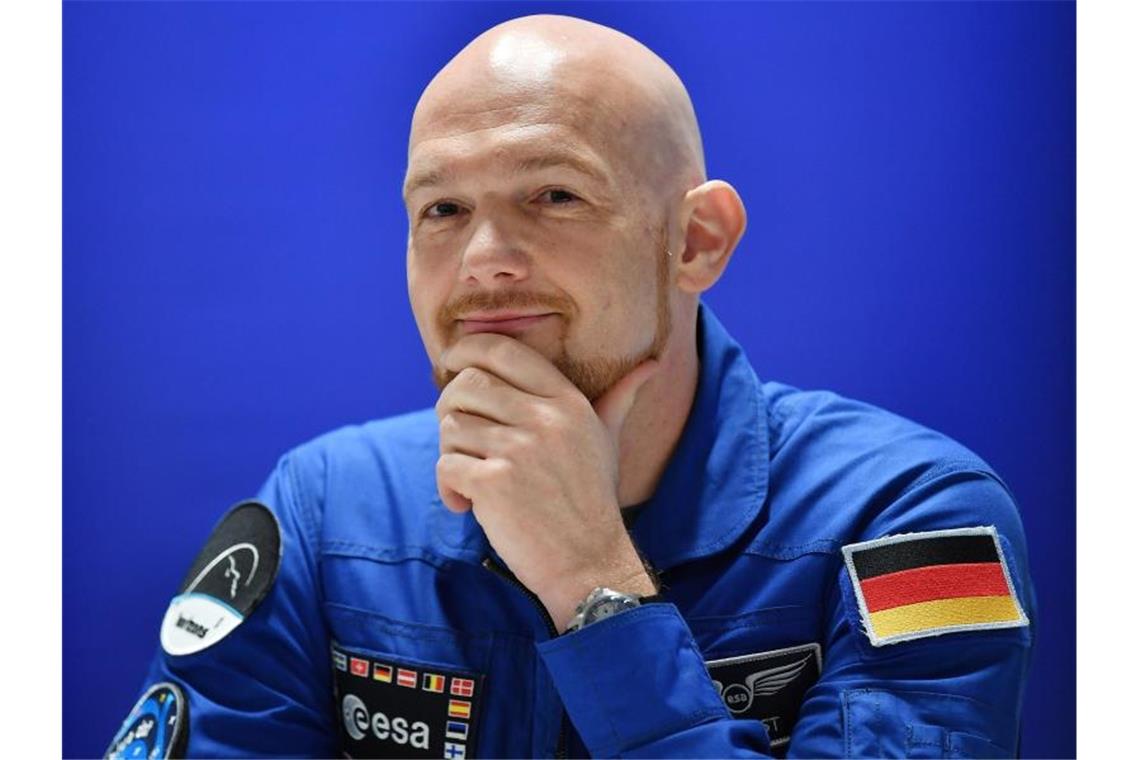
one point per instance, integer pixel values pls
(717, 479)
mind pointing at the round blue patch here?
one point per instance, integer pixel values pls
(155, 728)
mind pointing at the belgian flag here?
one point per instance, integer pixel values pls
(924, 584)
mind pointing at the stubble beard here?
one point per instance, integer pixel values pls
(594, 375)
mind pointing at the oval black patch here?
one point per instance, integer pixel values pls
(230, 577)
(155, 727)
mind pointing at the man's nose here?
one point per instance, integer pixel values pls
(494, 254)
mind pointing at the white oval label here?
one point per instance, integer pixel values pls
(194, 622)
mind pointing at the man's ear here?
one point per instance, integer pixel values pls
(714, 219)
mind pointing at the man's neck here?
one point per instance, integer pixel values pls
(657, 419)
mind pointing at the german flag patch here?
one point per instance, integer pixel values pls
(915, 585)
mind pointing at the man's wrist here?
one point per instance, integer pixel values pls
(625, 573)
(638, 587)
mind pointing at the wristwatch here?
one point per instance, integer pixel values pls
(602, 603)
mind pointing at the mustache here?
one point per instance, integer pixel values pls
(485, 300)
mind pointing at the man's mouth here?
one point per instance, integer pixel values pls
(506, 323)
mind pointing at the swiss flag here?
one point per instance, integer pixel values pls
(358, 666)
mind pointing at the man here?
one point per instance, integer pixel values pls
(608, 537)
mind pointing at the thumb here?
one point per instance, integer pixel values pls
(613, 405)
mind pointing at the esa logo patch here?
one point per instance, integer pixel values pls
(396, 709)
(155, 728)
(227, 581)
(768, 686)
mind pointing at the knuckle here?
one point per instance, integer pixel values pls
(547, 418)
(492, 471)
(502, 351)
(524, 441)
(513, 441)
(449, 423)
(473, 377)
(479, 477)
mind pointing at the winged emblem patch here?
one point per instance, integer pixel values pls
(768, 686)
(763, 683)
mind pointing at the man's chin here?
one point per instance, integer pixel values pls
(592, 377)
(552, 353)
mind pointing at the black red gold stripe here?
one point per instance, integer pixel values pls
(923, 584)
(941, 614)
(938, 550)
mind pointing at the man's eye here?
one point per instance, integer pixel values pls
(558, 196)
(441, 209)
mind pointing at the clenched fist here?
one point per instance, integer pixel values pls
(538, 465)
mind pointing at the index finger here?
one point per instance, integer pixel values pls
(511, 360)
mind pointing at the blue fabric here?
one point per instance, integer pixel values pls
(745, 528)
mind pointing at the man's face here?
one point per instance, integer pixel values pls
(527, 201)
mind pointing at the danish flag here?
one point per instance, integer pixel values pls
(462, 687)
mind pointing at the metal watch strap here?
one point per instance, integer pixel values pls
(604, 602)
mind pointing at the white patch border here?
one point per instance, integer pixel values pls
(770, 653)
(183, 717)
(865, 615)
(758, 656)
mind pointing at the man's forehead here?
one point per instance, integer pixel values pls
(516, 150)
(466, 105)
(612, 95)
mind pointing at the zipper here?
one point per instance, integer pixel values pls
(496, 568)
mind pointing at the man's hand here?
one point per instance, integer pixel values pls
(538, 464)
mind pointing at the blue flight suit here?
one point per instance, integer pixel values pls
(745, 530)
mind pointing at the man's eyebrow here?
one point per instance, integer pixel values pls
(571, 160)
(523, 165)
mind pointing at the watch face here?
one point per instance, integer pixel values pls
(609, 606)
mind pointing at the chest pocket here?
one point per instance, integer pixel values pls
(406, 690)
(402, 688)
(763, 664)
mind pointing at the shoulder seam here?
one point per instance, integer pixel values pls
(302, 504)
(956, 466)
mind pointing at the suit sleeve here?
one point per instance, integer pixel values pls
(636, 685)
(265, 688)
(955, 694)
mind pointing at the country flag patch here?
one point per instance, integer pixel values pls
(407, 678)
(462, 687)
(924, 584)
(383, 701)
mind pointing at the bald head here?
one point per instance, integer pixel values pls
(555, 174)
(602, 84)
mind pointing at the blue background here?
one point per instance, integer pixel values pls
(234, 259)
